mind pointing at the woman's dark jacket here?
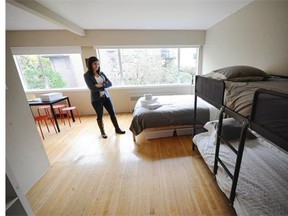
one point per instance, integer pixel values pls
(91, 82)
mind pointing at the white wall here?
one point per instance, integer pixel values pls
(25, 152)
(105, 37)
(257, 35)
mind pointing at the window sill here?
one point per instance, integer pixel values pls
(112, 88)
(153, 86)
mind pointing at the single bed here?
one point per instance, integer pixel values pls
(173, 113)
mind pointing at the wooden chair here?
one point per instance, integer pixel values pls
(39, 119)
(59, 107)
(46, 109)
(68, 109)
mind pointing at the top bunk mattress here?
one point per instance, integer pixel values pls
(238, 96)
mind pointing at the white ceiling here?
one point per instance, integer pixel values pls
(123, 14)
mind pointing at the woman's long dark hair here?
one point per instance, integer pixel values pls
(89, 63)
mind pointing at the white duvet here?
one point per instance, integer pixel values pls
(263, 180)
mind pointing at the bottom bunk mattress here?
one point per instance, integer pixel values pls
(171, 110)
(262, 187)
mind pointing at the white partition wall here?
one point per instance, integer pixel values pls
(25, 152)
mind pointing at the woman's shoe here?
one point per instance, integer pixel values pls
(101, 127)
(104, 136)
(116, 126)
(119, 131)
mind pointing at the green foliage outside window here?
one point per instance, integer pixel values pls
(38, 73)
(140, 68)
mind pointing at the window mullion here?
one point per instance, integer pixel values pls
(178, 65)
(20, 68)
(98, 54)
(43, 72)
(199, 61)
(120, 66)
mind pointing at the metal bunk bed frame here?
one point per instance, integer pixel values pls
(260, 121)
(245, 123)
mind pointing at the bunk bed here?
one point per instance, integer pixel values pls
(262, 181)
(169, 114)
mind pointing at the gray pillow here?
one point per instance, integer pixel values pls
(231, 129)
(239, 73)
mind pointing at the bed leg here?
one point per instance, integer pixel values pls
(134, 138)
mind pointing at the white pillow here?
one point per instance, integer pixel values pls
(211, 126)
(231, 129)
(239, 73)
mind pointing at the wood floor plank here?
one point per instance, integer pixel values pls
(115, 176)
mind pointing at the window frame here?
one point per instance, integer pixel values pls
(51, 50)
(198, 67)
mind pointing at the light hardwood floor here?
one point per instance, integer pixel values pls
(94, 176)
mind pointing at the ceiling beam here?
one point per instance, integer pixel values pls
(38, 9)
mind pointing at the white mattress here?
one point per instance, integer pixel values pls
(263, 180)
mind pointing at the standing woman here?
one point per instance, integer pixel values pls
(97, 82)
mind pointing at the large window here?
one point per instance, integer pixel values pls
(149, 66)
(50, 71)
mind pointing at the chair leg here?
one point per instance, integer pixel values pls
(78, 115)
(68, 117)
(59, 112)
(52, 121)
(40, 129)
(38, 111)
(39, 120)
(61, 115)
(47, 112)
(46, 125)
